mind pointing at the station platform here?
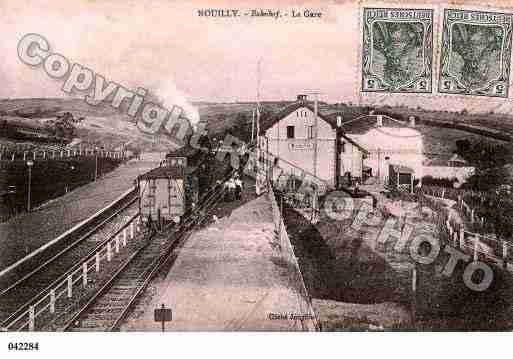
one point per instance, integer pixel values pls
(229, 276)
(27, 232)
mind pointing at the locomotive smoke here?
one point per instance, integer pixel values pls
(169, 96)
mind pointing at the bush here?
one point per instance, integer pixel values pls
(436, 181)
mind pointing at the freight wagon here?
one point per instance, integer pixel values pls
(164, 193)
(168, 192)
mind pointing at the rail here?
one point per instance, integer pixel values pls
(163, 259)
(194, 218)
(62, 237)
(77, 275)
(80, 275)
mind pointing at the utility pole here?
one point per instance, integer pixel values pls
(252, 126)
(414, 282)
(316, 111)
(258, 150)
(29, 165)
(379, 165)
(95, 164)
(316, 93)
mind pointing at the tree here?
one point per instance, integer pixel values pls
(462, 146)
(489, 162)
(64, 125)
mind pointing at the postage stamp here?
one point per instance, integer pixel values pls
(397, 50)
(475, 53)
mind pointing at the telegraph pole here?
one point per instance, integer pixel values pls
(316, 93)
(29, 165)
(258, 150)
(95, 163)
(252, 126)
(316, 110)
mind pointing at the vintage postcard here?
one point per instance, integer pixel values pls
(233, 166)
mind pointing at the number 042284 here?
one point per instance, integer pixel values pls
(23, 346)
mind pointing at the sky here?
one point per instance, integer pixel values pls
(165, 47)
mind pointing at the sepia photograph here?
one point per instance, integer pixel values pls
(258, 168)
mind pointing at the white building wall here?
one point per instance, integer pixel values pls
(402, 145)
(351, 160)
(299, 151)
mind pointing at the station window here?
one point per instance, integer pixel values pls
(290, 131)
(310, 131)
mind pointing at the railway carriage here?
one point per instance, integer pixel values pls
(166, 192)
(171, 190)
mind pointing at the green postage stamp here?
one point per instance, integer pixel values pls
(397, 50)
(475, 53)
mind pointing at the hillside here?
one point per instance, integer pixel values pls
(109, 127)
(103, 125)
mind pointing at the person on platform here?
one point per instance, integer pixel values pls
(356, 188)
(238, 188)
(230, 190)
(276, 172)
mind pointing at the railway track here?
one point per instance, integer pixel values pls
(34, 282)
(107, 309)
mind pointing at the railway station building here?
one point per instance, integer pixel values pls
(355, 148)
(289, 135)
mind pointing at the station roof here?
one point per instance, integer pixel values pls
(167, 172)
(327, 116)
(401, 169)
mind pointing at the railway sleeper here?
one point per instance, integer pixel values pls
(93, 324)
(104, 316)
(103, 308)
(118, 298)
(122, 287)
(129, 281)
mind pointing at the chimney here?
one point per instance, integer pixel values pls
(412, 121)
(339, 121)
(302, 97)
(379, 120)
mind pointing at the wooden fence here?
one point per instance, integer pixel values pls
(479, 246)
(78, 276)
(288, 255)
(57, 154)
(466, 210)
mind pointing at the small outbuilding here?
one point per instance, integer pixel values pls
(401, 177)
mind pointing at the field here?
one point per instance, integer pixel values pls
(103, 125)
(440, 142)
(50, 179)
(106, 125)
